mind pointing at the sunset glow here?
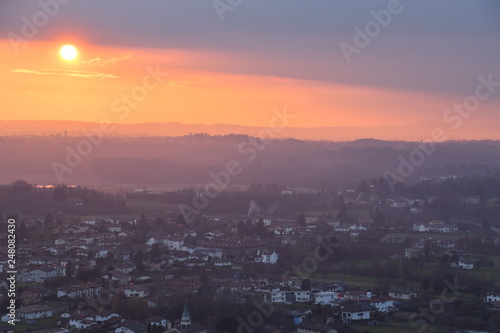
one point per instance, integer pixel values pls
(229, 82)
(68, 52)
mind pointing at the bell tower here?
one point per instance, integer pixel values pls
(186, 319)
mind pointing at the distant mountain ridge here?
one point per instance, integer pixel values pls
(340, 133)
(193, 160)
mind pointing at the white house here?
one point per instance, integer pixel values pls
(444, 227)
(382, 304)
(288, 296)
(420, 227)
(302, 296)
(42, 274)
(175, 243)
(80, 321)
(151, 241)
(402, 294)
(268, 257)
(354, 312)
(159, 321)
(465, 264)
(86, 240)
(105, 315)
(60, 241)
(114, 228)
(135, 291)
(79, 291)
(101, 253)
(326, 297)
(222, 262)
(34, 312)
(275, 296)
(88, 221)
(491, 297)
(438, 227)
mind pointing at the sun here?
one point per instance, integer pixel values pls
(68, 52)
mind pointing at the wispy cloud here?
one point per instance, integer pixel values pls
(177, 84)
(112, 63)
(71, 73)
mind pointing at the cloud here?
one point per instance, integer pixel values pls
(71, 73)
(177, 84)
(112, 63)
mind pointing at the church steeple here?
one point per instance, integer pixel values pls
(186, 319)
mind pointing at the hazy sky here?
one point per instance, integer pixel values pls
(263, 54)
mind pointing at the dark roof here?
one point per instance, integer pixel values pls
(34, 308)
(348, 329)
(135, 326)
(315, 327)
(45, 269)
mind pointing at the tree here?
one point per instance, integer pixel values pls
(227, 324)
(242, 229)
(301, 220)
(260, 228)
(142, 223)
(84, 275)
(495, 321)
(426, 283)
(486, 225)
(138, 256)
(22, 232)
(60, 193)
(142, 229)
(306, 284)
(467, 308)
(69, 270)
(379, 218)
(48, 222)
(180, 219)
(342, 213)
(155, 251)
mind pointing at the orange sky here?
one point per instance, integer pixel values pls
(37, 84)
(235, 70)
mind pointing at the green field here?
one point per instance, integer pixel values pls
(398, 327)
(40, 324)
(406, 327)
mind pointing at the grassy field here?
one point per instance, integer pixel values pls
(485, 272)
(352, 279)
(398, 327)
(40, 324)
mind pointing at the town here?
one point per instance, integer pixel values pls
(362, 259)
